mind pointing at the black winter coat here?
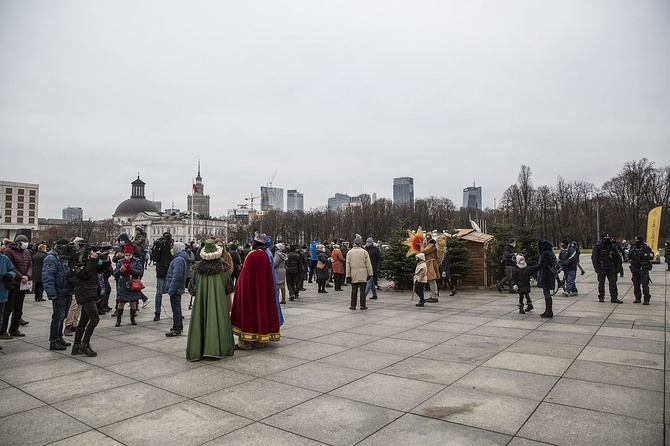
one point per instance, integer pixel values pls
(546, 278)
(521, 277)
(85, 280)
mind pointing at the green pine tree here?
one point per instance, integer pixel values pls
(459, 262)
(396, 266)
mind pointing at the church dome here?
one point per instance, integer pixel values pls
(134, 206)
(137, 202)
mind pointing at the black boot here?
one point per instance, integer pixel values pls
(521, 309)
(646, 300)
(75, 349)
(548, 313)
(529, 305)
(133, 313)
(157, 317)
(119, 313)
(86, 349)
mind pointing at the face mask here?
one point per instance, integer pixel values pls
(24, 245)
(128, 257)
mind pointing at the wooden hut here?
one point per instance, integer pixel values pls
(479, 247)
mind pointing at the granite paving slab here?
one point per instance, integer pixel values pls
(88, 438)
(58, 366)
(508, 382)
(259, 363)
(15, 401)
(148, 368)
(390, 345)
(650, 335)
(357, 358)
(457, 353)
(121, 403)
(334, 421)
(58, 389)
(37, 427)
(553, 349)
(429, 370)
(186, 423)
(523, 362)
(631, 344)
(625, 357)
(391, 392)
(627, 401)
(570, 426)
(494, 412)
(199, 381)
(258, 399)
(309, 350)
(419, 334)
(259, 434)
(415, 430)
(318, 376)
(621, 375)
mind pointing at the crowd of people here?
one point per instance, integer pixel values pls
(76, 279)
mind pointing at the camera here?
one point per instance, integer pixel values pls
(78, 250)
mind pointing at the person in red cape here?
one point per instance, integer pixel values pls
(254, 315)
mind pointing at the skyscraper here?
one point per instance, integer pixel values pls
(73, 214)
(272, 198)
(472, 197)
(198, 201)
(294, 200)
(403, 191)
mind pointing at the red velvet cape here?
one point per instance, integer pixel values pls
(254, 315)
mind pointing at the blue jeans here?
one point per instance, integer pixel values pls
(60, 305)
(570, 277)
(371, 286)
(160, 290)
(175, 302)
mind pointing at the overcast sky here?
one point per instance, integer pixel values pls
(333, 96)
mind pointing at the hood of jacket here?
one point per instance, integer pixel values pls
(544, 245)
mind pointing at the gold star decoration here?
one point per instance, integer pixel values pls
(414, 241)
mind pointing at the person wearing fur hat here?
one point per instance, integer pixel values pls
(175, 284)
(210, 332)
(520, 282)
(127, 269)
(359, 271)
(254, 315)
(420, 278)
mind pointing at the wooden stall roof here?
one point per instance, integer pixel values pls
(474, 236)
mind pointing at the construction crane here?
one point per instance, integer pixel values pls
(272, 179)
(251, 199)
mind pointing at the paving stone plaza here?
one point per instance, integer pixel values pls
(468, 370)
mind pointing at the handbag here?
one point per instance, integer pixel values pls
(136, 285)
(320, 265)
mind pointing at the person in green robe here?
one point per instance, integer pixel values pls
(210, 333)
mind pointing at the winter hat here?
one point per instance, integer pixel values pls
(320, 248)
(358, 240)
(370, 241)
(520, 259)
(139, 228)
(211, 250)
(604, 234)
(260, 238)
(421, 256)
(268, 241)
(21, 238)
(124, 238)
(128, 249)
(178, 247)
(280, 247)
(639, 238)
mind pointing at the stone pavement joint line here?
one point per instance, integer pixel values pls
(467, 370)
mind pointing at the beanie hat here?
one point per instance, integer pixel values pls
(369, 241)
(124, 238)
(320, 248)
(268, 241)
(421, 256)
(604, 234)
(128, 249)
(358, 240)
(280, 247)
(520, 259)
(21, 238)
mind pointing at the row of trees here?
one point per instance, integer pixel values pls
(567, 210)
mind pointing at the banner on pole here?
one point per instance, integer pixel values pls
(653, 228)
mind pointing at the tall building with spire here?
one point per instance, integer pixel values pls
(197, 200)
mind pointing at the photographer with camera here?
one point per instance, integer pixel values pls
(640, 257)
(161, 255)
(84, 274)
